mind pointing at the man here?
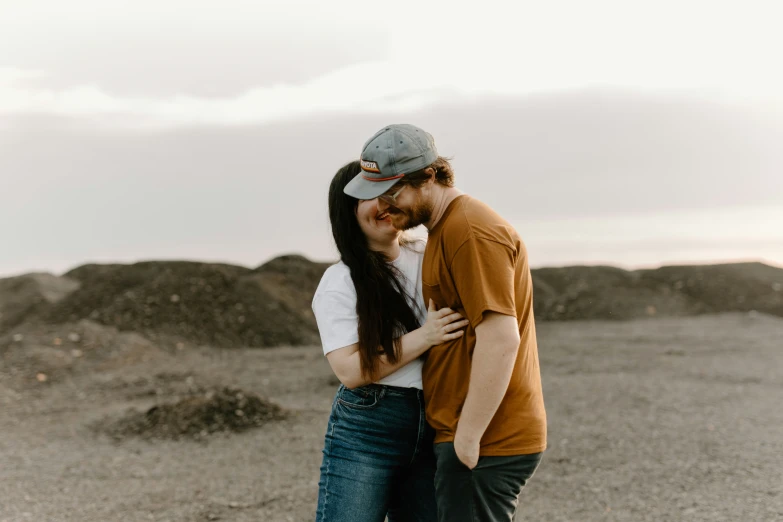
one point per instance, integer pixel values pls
(483, 390)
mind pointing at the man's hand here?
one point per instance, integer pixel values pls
(497, 344)
(467, 451)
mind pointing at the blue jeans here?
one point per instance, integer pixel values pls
(378, 458)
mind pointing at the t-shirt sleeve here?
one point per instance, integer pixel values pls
(484, 272)
(338, 324)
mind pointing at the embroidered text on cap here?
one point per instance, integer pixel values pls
(370, 166)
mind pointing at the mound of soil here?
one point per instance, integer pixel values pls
(35, 355)
(231, 306)
(601, 292)
(24, 295)
(218, 410)
(736, 287)
(293, 280)
(203, 303)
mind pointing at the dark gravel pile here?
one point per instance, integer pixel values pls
(602, 292)
(231, 306)
(740, 287)
(203, 303)
(219, 410)
(293, 280)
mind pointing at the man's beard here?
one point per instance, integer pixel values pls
(417, 215)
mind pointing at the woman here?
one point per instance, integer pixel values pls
(378, 459)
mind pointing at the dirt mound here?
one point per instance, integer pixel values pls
(219, 410)
(601, 292)
(740, 287)
(231, 306)
(23, 295)
(35, 355)
(293, 280)
(203, 303)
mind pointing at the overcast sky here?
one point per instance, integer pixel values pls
(624, 133)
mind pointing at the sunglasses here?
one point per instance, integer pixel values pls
(392, 198)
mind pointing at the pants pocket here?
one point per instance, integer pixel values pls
(447, 458)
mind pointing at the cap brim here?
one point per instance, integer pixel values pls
(361, 188)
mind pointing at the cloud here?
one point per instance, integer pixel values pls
(583, 176)
(343, 90)
(363, 58)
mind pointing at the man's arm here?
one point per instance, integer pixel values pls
(497, 344)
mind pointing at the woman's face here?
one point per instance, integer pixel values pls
(375, 224)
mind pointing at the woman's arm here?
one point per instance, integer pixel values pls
(441, 326)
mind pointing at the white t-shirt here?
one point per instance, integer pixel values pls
(334, 305)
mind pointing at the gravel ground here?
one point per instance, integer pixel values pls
(649, 420)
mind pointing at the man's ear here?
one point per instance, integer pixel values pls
(431, 173)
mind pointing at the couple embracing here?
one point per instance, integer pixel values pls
(440, 415)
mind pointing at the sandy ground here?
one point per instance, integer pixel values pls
(651, 420)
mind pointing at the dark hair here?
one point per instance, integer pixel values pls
(381, 302)
(444, 174)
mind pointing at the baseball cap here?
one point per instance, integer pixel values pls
(392, 152)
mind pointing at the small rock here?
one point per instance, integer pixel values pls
(76, 353)
(17, 338)
(651, 310)
(58, 341)
(174, 298)
(74, 337)
(41, 377)
(180, 346)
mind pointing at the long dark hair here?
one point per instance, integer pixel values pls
(381, 302)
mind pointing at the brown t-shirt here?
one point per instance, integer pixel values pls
(474, 263)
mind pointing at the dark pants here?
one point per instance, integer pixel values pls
(378, 460)
(487, 493)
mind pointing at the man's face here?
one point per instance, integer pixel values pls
(410, 207)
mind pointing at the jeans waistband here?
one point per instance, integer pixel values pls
(385, 389)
